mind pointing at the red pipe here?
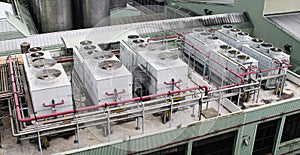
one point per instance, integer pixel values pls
(65, 60)
(161, 38)
(266, 70)
(53, 105)
(144, 98)
(15, 95)
(167, 37)
(271, 69)
(240, 76)
(215, 61)
(173, 83)
(115, 93)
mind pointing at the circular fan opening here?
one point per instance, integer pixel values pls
(110, 65)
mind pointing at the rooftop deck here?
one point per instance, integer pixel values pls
(124, 124)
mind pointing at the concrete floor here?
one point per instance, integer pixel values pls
(93, 135)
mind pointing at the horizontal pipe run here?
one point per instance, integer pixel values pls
(98, 116)
(215, 61)
(53, 104)
(65, 60)
(115, 93)
(173, 83)
(266, 70)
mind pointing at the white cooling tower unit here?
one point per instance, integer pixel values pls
(107, 80)
(233, 37)
(48, 83)
(85, 51)
(161, 65)
(232, 58)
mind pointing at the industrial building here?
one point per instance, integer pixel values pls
(151, 77)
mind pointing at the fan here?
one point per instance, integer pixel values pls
(36, 54)
(35, 49)
(110, 65)
(91, 52)
(167, 56)
(156, 47)
(48, 75)
(242, 58)
(103, 55)
(43, 63)
(233, 53)
(224, 48)
(89, 47)
(85, 42)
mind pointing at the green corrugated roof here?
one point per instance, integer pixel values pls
(118, 13)
(10, 35)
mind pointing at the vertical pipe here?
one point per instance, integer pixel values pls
(108, 125)
(209, 76)
(171, 110)
(194, 67)
(222, 81)
(200, 105)
(282, 83)
(219, 103)
(260, 81)
(39, 138)
(239, 96)
(137, 119)
(277, 81)
(193, 111)
(143, 117)
(77, 129)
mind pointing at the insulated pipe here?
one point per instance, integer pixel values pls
(15, 96)
(65, 60)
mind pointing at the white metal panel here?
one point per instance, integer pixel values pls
(99, 83)
(46, 92)
(230, 40)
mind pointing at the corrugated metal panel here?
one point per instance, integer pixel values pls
(144, 27)
(290, 22)
(10, 35)
(5, 26)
